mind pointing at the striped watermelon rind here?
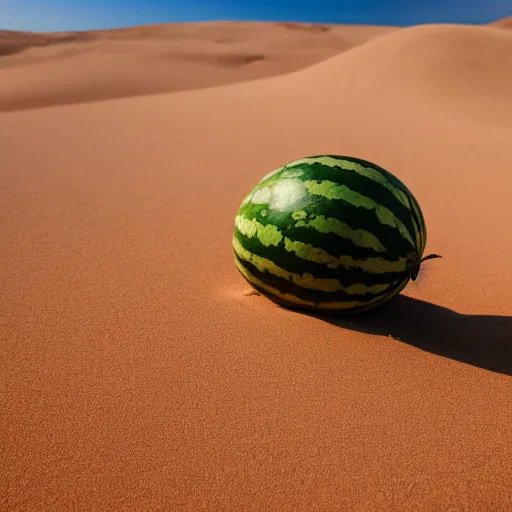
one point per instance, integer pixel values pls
(330, 233)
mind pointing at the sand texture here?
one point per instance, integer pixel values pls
(139, 373)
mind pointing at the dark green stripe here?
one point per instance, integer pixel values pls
(396, 183)
(376, 306)
(330, 242)
(291, 262)
(393, 180)
(420, 221)
(357, 218)
(363, 186)
(308, 294)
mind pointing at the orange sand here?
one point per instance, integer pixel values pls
(139, 373)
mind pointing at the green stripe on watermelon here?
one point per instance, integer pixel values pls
(303, 280)
(314, 254)
(311, 207)
(366, 169)
(366, 184)
(289, 300)
(325, 233)
(304, 192)
(291, 262)
(306, 293)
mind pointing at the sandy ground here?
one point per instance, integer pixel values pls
(140, 374)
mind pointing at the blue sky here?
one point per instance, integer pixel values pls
(55, 15)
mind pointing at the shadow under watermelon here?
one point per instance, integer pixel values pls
(484, 341)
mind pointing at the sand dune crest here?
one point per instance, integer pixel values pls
(503, 23)
(52, 69)
(461, 71)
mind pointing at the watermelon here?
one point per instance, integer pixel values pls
(331, 234)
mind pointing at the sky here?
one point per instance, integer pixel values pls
(65, 15)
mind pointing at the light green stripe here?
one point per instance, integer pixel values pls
(367, 172)
(270, 235)
(305, 280)
(331, 190)
(327, 306)
(359, 237)
(286, 297)
(371, 265)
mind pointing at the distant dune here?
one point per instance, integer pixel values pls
(38, 70)
(453, 70)
(46, 69)
(503, 23)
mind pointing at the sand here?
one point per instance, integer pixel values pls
(138, 371)
(74, 67)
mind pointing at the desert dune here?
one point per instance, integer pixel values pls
(141, 373)
(49, 69)
(503, 23)
(461, 72)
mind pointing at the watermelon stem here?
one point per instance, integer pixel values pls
(414, 266)
(430, 257)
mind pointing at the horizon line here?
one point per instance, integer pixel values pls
(276, 21)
